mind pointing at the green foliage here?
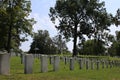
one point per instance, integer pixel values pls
(14, 14)
(47, 45)
(60, 43)
(43, 43)
(80, 17)
(92, 47)
(114, 49)
(116, 19)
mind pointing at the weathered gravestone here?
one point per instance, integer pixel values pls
(97, 64)
(80, 63)
(51, 59)
(56, 63)
(4, 64)
(71, 63)
(92, 64)
(34, 55)
(22, 55)
(39, 56)
(66, 60)
(103, 64)
(44, 63)
(28, 65)
(87, 64)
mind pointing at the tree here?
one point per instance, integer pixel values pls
(91, 47)
(43, 43)
(3, 29)
(114, 49)
(78, 18)
(14, 22)
(60, 43)
(116, 19)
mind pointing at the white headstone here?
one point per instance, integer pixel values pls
(71, 63)
(92, 64)
(80, 63)
(87, 64)
(44, 63)
(56, 63)
(28, 66)
(66, 60)
(51, 59)
(97, 65)
(103, 64)
(4, 64)
(22, 58)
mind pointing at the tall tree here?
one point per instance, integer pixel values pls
(116, 19)
(78, 18)
(60, 43)
(42, 43)
(90, 47)
(14, 22)
(114, 49)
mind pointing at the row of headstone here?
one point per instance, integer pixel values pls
(28, 67)
(37, 56)
(91, 64)
(55, 60)
(28, 60)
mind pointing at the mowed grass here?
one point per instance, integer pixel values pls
(17, 72)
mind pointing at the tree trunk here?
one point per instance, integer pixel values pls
(9, 39)
(75, 42)
(9, 31)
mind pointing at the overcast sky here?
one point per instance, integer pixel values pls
(40, 11)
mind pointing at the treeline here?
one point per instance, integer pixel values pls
(44, 44)
(87, 22)
(99, 47)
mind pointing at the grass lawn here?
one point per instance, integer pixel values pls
(17, 72)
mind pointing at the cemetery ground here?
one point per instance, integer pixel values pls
(64, 73)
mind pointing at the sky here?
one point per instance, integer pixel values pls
(40, 11)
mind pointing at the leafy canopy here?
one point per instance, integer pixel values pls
(42, 43)
(14, 14)
(80, 17)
